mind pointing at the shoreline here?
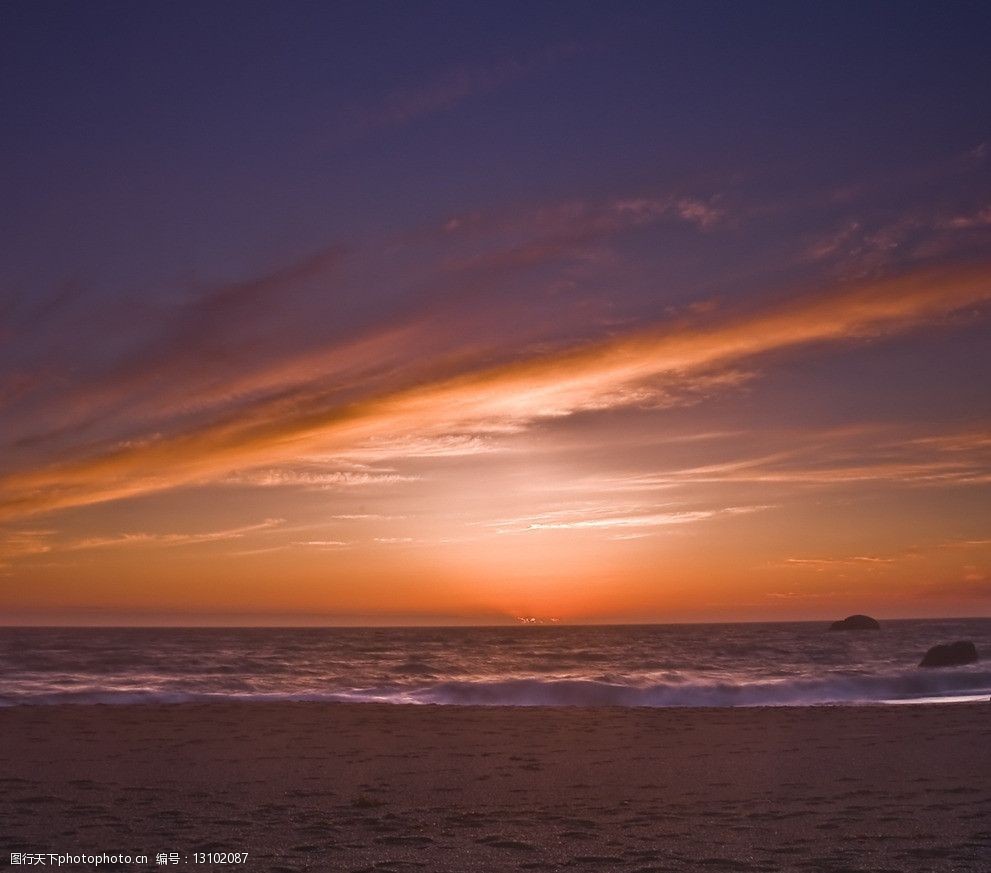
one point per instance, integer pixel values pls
(262, 700)
(366, 786)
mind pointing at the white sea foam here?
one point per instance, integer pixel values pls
(797, 664)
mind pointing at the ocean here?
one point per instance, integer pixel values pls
(779, 664)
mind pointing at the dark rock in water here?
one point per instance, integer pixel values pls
(950, 655)
(856, 622)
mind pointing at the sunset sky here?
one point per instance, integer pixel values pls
(427, 313)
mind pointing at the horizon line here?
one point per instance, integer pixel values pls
(460, 626)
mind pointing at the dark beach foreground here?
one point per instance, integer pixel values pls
(348, 787)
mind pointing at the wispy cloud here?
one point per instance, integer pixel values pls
(547, 231)
(831, 458)
(201, 353)
(27, 543)
(364, 516)
(589, 376)
(128, 540)
(450, 88)
(607, 519)
(291, 477)
(863, 245)
(969, 220)
(824, 563)
(894, 559)
(451, 445)
(17, 544)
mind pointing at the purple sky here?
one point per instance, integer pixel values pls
(462, 312)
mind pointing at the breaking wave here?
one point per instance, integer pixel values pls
(801, 692)
(905, 687)
(794, 664)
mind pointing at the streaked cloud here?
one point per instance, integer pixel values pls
(588, 377)
(25, 543)
(571, 520)
(968, 221)
(292, 477)
(18, 544)
(825, 563)
(831, 458)
(170, 539)
(451, 445)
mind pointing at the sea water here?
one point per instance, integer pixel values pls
(794, 664)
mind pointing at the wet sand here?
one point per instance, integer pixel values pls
(366, 787)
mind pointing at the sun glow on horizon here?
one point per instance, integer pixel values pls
(553, 342)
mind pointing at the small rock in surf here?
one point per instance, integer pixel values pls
(950, 655)
(855, 622)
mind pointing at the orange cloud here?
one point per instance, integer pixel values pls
(505, 398)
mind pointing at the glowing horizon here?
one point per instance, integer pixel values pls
(570, 392)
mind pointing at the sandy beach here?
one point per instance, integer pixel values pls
(371, 787)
